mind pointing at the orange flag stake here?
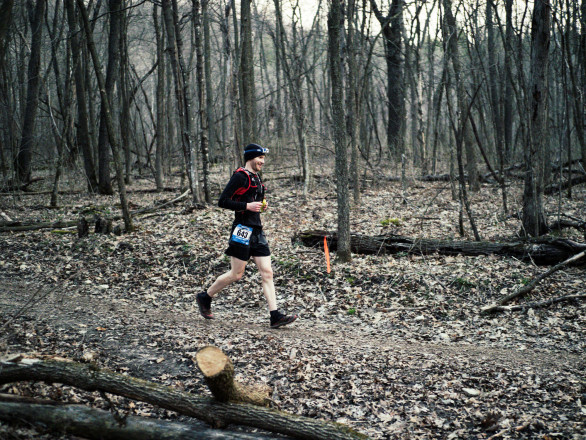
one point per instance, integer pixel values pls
(327, 254)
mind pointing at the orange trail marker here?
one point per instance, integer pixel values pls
(327, 254)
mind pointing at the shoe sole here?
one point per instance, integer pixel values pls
(282, 323)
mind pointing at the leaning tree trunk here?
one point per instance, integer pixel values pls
(25, 151)
(534, 222)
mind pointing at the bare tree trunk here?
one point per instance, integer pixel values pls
(201, 92)
(114, 143)
(160, 102)
(124, 97)
(508, 90)
(24, 158)
(391, 29)
(498, 121)
(207, 59)
(83, 136)
(335, 29)
(352, 99)
(112, 74)
(246, 73)
(534, 222)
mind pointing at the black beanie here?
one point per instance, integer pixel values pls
(253, 150)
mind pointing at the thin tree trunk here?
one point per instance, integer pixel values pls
(508, 89)
(352, 99)
(498, 121)
(124, 97)
(201, 92)
(207, 59)
(335, 29)
(160, 102)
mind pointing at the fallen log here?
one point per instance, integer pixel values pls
(542, 251)
(219, 414)
(20, 227)
(218, 372)
(97, 424)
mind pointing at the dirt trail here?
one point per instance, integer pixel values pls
(354, 373)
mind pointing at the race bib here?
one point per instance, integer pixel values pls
(242, 234)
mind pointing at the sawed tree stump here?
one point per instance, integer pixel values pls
(218, 372)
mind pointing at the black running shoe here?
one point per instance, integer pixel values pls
(204, 303)
(281, 320)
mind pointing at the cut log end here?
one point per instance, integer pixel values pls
(218, 372)
(211, 361)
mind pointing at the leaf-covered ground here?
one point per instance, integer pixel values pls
(391, 345)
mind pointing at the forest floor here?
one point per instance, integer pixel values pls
(392, 345)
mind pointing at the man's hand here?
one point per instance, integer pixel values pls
(254, 206)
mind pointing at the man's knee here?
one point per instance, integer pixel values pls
(237, 275)
(266, 273)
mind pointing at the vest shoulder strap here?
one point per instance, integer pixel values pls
(242, 190)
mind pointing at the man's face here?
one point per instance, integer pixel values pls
(257, 163)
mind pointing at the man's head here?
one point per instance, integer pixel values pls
(254, 156)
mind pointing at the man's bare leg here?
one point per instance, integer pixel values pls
(268, 286)
(235, 273)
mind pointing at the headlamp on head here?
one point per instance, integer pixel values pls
(254, 150)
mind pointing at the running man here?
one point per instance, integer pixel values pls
(244, 194)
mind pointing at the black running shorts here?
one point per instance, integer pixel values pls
(258, 247)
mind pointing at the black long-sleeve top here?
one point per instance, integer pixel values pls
(230, 199)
